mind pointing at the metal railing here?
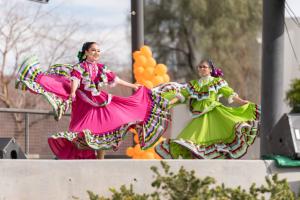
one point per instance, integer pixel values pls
(26, 113)
(29, 118)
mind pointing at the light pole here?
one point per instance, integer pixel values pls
(272, 69)
(137, 26)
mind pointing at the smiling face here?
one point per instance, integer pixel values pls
(204, 69)
(93, 53)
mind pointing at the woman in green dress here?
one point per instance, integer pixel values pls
(216, 131)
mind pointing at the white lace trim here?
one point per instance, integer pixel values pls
(74, 78)
(230, 98)
(180, 97)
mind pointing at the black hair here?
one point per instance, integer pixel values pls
(81, 57)
(210, 63)
(215, 72)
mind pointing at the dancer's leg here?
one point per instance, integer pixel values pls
(100, 154)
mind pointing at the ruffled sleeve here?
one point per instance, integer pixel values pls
(77, 72)
(173, 90)
(183, 94)
(106, 77)
(227, 92)
(111, 77)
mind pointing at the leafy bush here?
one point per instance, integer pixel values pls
(293, 96)
(186, 186)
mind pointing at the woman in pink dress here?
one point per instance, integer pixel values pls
(99, 121)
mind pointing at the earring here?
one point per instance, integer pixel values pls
(84, 56)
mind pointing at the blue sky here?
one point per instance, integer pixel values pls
(109, 18)
(106, 22)
(108, 12)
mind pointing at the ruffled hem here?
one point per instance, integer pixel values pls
(87, 140)
(245, 134)
(149, 131)
(29, 72)
(156, 121)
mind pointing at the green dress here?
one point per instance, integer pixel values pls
(216, 131)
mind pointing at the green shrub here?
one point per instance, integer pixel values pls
(184, 185)
(293, 96)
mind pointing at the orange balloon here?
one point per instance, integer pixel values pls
(151, 62)
(156, 156)
(148, 84)
(137, 147)
(137, 156)
(136, 65)
(136, 139)
(133, 131)
(140, 80)
(157, 80)
(136, 54)
(138, 71)
(146, 51)
(151, 150)
(148, 155)
(137, 152)
(130, 151)
(141, 60)
(161, 69)
(166, 78)
(148, 73)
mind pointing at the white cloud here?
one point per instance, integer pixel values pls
(112, 12)
(101, 4)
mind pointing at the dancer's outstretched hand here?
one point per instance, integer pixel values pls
(137, 86)
(240, 101)
(244, 102)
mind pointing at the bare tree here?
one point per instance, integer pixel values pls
(183, 31)
(25, 31)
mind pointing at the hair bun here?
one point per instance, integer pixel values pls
(80, 56)
(217, 72)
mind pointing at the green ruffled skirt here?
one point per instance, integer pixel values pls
(222, 132)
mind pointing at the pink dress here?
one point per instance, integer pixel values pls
(99, 121)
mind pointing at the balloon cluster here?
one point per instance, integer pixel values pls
(137, 153)
(146, 71)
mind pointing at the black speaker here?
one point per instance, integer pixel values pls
(285, 136)
(9, 149)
